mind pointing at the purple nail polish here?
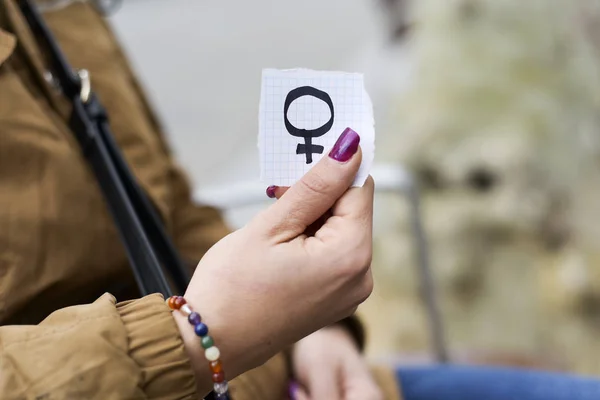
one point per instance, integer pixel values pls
(271, 191)
(292, 390)
(346, 146)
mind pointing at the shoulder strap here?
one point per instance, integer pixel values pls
(148, 246)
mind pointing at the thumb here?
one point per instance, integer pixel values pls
(316, 191)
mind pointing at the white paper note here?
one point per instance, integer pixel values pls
(302, 113)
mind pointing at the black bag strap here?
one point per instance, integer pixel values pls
(147, 244)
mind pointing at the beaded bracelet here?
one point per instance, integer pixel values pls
(211, 352)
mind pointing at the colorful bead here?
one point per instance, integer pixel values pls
(216, 367)
(221, 387)
(212, 353)
(171, 302)
(218, 377)
(178, 302)
(201, 329)
(194, 318)
(186, 309)
(207, 342)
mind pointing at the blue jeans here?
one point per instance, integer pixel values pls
(486, 383)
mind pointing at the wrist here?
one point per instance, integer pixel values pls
(195, 353)
(216, 353)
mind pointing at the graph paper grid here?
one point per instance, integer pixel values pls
(280, 165)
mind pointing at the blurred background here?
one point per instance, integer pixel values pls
(490, 108)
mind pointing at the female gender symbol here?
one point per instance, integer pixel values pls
(308, 148)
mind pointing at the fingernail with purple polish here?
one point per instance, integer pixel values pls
(346, 146)
(292, 390)
(271, 191)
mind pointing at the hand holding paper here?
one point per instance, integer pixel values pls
(302, 114)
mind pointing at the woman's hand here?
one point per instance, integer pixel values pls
(328, 365)
(268, 285)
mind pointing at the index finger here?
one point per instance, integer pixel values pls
(352, 214)
(357, 201)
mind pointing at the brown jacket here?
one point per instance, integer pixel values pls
(63, 337)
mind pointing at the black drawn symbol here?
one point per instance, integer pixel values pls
(307, 147)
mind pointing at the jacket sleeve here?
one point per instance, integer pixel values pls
(102, 350)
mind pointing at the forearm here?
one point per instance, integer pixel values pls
(239, 349)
